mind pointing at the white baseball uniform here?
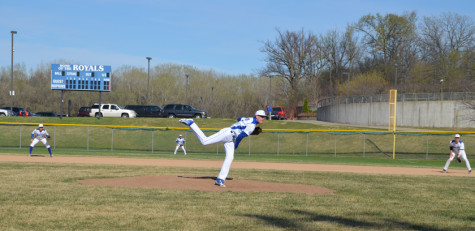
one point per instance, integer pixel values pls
(38, 136)
(459, 150)
(180, 142)
(230, 137)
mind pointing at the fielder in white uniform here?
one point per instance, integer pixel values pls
(180, 142)
(457, 148)
(230, 137)
(40, 134)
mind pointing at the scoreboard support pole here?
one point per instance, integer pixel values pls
(61, 112)
(100, 97)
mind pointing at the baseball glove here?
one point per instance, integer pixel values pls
(257, 131)
(459, 160)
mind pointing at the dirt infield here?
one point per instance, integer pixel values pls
(239, 185)
(205, 183)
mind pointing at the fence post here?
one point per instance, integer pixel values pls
(217, 149)
(364, 145)
(249, 145)
(87, 144)
(427, 148)
(54, 138)
(335, 145)
(20, 136)
(306, 151)
(278, 140)
(153, 132)
(112, 140)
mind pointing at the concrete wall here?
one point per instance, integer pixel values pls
(456, 114)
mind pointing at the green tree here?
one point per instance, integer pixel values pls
(305, 106)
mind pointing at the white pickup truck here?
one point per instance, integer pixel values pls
(5, 112)
(111, 110)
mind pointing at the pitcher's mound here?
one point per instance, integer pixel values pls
(205, 183)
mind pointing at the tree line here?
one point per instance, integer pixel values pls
(371, 56)
(375, 54)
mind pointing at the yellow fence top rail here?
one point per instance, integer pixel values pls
(217, 129)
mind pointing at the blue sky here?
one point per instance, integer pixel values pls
(225, 36)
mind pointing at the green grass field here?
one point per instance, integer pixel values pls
(40, 196)
(37, 196)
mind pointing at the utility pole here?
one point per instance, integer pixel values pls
(148, 78)
(186, 89)
(12, 93)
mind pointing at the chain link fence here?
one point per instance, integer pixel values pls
(401, 97)
(314, 143)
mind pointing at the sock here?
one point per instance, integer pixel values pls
(49, 150)
(31, 149)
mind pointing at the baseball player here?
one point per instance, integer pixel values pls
(457, 148)
(230, 137)
(40, 134)
(180, 142)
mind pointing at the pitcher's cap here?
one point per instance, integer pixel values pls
(260, 113)
(457, 136)
(180, 135)
(40, 126)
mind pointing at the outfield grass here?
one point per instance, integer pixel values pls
(40, 196)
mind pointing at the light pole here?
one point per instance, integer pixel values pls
(186, 89)
(212, 98)
(270, 90)
(148, 77)
(11, 77)
(441, 83)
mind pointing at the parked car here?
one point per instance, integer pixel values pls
(146, 110)
(17, 111)
(84, 112)
(111, 110)
(47, 114)
(5, 112)
(182, 110)
(279, 113)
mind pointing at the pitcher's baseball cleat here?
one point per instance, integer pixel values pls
(187, 122)
(470, 171)
(219, 182)
(444, 171)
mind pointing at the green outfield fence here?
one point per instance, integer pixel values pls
(299, 142)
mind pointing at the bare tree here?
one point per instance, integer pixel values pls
(288, 57)
(447, 42)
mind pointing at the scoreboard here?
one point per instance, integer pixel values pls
(80, 77)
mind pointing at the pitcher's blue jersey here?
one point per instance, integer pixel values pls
(245, 125)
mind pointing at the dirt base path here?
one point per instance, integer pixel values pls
(205, 183)
(236, 164)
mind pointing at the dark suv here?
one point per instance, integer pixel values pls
(146, 110)
(182, 110)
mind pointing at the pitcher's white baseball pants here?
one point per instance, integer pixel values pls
(224, 136)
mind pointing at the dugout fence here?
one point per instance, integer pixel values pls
(272, 142)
